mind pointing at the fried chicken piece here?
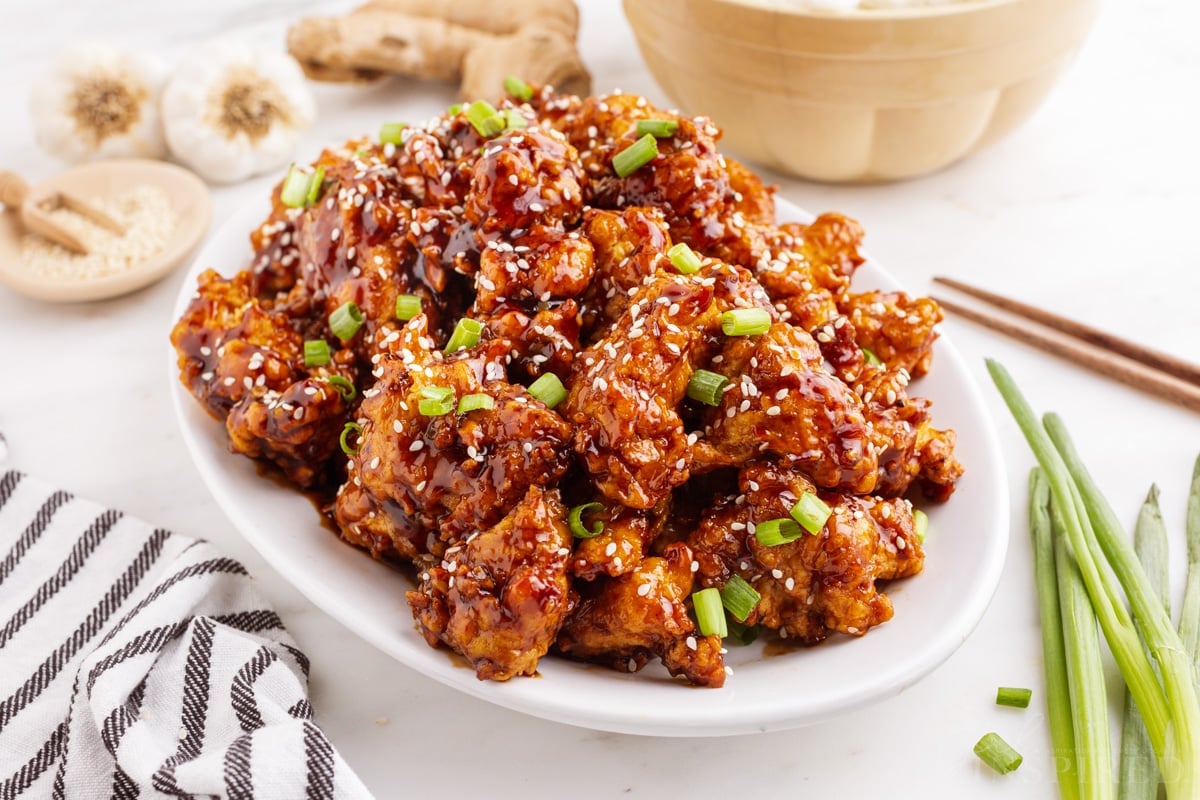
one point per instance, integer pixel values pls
(539, 342)
(818, 583)
(500, 597)
(245, 364)
(755, 201)
(629, 247)
(525, 178)
(782, 400)
(643, 614)
(899, 330)
(622, 543)
(432, 480)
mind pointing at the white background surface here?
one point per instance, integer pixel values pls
(1091, 209)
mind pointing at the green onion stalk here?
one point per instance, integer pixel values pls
(1107, 564)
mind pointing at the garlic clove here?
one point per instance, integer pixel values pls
(96, 102)
(232, 111)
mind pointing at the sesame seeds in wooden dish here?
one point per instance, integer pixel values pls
(166, 210)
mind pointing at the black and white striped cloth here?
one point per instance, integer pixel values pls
(138, 663)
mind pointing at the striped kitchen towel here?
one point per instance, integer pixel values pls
(139, 663)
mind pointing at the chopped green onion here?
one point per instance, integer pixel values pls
(296, 188)
(484, 119)
(636, 156)
(407, 306)
(392, 132)
(1189, 614)
(316, 353)
(997, 753)
(575, 521)
(920, 524)
(455, 108)
(811, 512)
(315, 182)
(741, 634)
(739, 597)
(774, 532)
(474, 402)
(658, 128)
(345, 387)
(436, 401)
(870, 357)
(514, 120)
(1058, 692)
(707, 387)
(466, 334)
(1013, 696)
(684, 258)
(745, 322)
(549, 389)
(518, 88)
(709, 612)
(1137, 773)
(346, 320)
(347, 429)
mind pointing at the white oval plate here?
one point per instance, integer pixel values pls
(935, 611)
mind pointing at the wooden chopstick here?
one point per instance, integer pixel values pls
(1128, 371)
(1152, 358)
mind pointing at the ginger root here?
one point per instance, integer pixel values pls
(476, 42)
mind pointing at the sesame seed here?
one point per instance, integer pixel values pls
(417, 445)
(852, 629)
(691, 643)
(611, 549)
(776, 574)
(643, 589)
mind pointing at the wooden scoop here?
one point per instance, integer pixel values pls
(36, 204)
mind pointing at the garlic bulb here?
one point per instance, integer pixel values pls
(98, 103)
(232, 111)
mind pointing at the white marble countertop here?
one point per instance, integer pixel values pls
(1089, 209)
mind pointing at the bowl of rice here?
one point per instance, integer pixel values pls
(859, 90)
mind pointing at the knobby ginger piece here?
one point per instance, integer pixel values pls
(475, 42)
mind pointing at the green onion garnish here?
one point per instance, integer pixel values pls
(870, 357)
(484, 119)
(745, 322)
(391, 132)
(296, 188)
(466, 334)
(316, 353)
(811, 512)
(346, 320)
(345, 387)
(636, 156)
(518, 88)
(774, 532)
(315, 182)
(455, 108)
(474, 402)
(514, 120)
(741, 634)
(684, 258)
(407, 306)
(575, 521)
(920, 524)
(997, 753)
(436, 401)
(707, 387)
(739, 597)
(658, 128)
(1013, 696)
(549, 389)
(710, 614)
(350, 427)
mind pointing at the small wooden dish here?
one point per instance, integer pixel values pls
(189, 198)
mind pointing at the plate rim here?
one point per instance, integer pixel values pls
(720, 718)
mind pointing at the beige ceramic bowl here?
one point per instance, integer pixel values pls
(864, 95)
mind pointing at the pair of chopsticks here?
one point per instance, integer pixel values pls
(1140, 367)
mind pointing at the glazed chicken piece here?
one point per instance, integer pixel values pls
(245, 364)
(899, 330)
(500, 597)
(419, 481)
(623, 542)
(818, 583)
(629, 247)
(643, 614)
(782, 400)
